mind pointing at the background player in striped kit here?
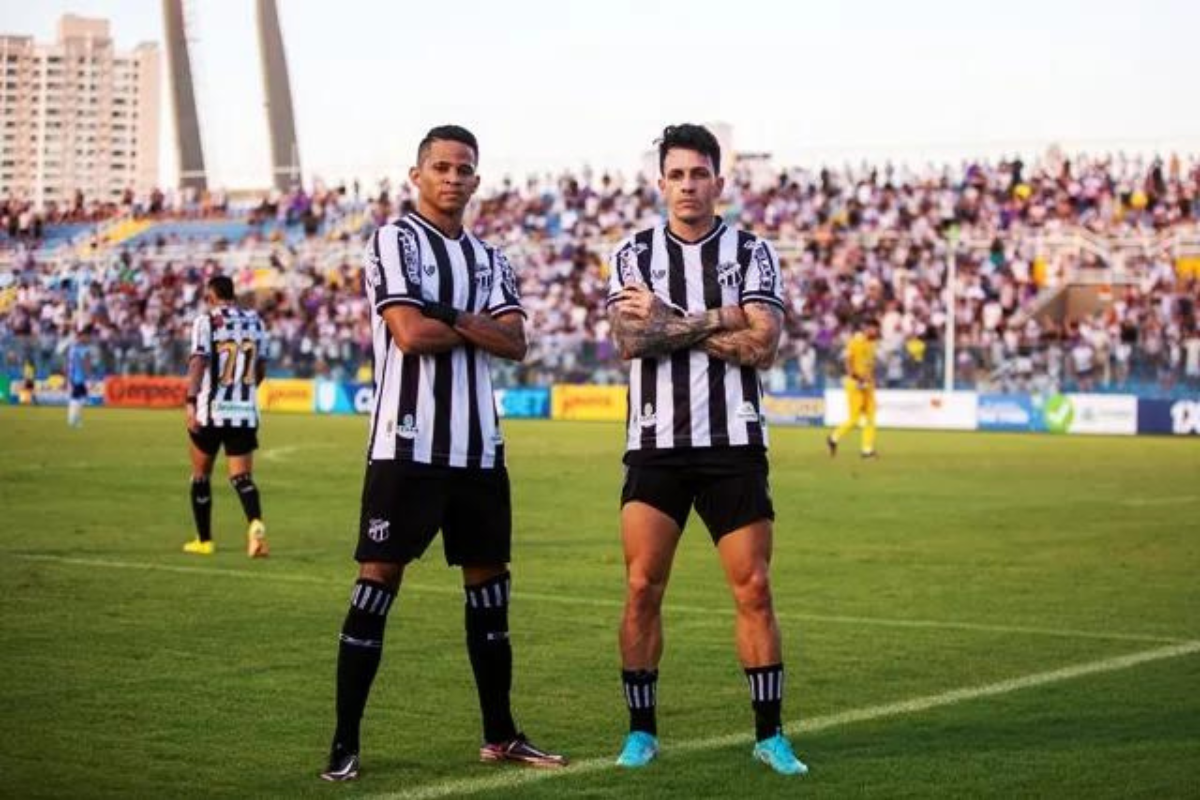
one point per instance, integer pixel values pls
(444, 302)
(697, 307)
(224, 371)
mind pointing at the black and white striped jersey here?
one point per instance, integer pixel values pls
(233, 340)
(435, 409)
(689, 398)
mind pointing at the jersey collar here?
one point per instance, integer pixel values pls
(717, 229)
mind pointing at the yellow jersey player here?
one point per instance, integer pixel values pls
(860, 389)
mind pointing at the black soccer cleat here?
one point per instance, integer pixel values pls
(831, 443)
(343, 766)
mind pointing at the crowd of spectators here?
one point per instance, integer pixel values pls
(857, 242)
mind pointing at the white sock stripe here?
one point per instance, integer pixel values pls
(629, 700)
(487, 603)
(472, 599)
(507, 589)
(499, 595)
(365, 597)
(354, 594)
(376, 606)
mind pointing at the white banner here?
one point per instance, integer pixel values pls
(1096, 413)
(898, 408)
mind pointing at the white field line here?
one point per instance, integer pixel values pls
(601, 602)
(509, 778)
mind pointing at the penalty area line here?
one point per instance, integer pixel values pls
(509, 778)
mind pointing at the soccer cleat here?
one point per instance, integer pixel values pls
(343, 766)
(521, 751)
(777, 754)
(256, 540)
(831, 443)
(199, 548)
(640, 749)
(869, 454)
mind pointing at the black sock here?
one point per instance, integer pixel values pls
(641, 695)
(766, 696)
(248, 493)
(359, 650)
(491, 655)
(202, 507)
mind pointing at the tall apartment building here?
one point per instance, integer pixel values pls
(77, 115)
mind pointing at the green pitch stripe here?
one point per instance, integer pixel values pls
(564, 599)
(508, 778)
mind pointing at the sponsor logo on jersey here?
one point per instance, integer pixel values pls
(408, 428)
(411, 255)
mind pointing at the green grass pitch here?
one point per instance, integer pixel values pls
(955, 617)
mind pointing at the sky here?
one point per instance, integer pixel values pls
(551, 84)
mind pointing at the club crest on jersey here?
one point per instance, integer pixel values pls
(648, 418)
(377, 530)
(407, 428)
(430, 267)
(627, 262)
(659, 274)
(411, 255)
(508, 277)
(766, 269)
(729, 273)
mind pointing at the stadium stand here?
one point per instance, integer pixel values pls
(1070, 273)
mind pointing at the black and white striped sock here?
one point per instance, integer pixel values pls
(360, 646)
(641, 696)
(766, 696)
(491, 654)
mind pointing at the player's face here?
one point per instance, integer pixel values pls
(690, 187)
(445, 178)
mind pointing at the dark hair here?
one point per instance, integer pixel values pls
(447, 133)
(689, 137)
(222, 286)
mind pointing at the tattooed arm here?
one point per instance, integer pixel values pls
(753, 346)
(646, 327)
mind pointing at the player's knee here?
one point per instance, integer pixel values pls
(753, 593)
(645, 594)
(383, 572)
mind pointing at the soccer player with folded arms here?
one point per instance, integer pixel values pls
(444, 303)
(697, 308)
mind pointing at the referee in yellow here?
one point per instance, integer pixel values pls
(860, 388)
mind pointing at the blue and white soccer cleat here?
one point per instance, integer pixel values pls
(776, 753)
(640, 749)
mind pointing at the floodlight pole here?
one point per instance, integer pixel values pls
(951, 307)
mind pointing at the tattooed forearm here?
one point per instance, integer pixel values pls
(661, 332)
(741, 347)
(754, 346)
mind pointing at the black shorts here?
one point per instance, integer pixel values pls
(237, 441)
(404, 505)
(79, 391)
(728, 486)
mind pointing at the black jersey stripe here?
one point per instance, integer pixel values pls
(718, 412)
(681, 360)
(474, 427)
(443, 374)
(749, 376)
